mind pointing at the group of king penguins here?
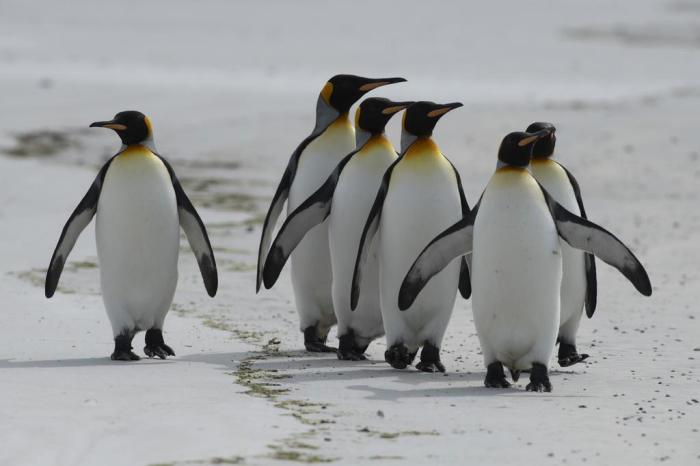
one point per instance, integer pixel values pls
(380, 241)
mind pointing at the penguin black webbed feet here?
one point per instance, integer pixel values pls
(127, 355)
(122, 349)
(350, 355)
(435, 366)
(539, 379)
(430, 359)
(496, 376)
(398, 356)
(568, 356)
(314, 343)
(349, 350)
(155, 345)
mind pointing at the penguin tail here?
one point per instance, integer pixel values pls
(514, 373)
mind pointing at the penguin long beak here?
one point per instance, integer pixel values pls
(108, 124)
(441, 110)
(379, 82)
(534, 137)
(397, 107)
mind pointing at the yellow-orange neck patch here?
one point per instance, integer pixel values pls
(342, 122)
(376, 142)
(511, 169)
(136, 150)
(422, 147)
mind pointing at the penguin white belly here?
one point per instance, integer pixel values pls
(311, 264)
(138, 240)
(516, 272)
(423, 200)
(352, 201)
(573, 285)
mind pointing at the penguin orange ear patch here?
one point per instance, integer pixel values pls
(326, 92)
(149, 126)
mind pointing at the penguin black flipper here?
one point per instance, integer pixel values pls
(456, 241)
(313, 211)
(587, 236)
(79, 219)
(465, 285)
(196, 234)
(589, 259)
(277, 203)
(370, 229)
(591, 284)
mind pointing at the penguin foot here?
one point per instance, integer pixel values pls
(314, 343)
(430, 359)
(515, 374)
(572, 359)
(568, 356)
(162, 351)
(398, 356)
(318, 347)
(124, 356)
(430, 367)
(351, 356)
(155, 345)
(539, 379)
(349, 350)
(495, 376)
(122, 349)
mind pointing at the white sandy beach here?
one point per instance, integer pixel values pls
(231, 89)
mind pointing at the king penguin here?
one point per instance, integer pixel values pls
(346, 198)
(513, 234)
(421, 193)
(140, 207)
(578, 283)
(332, 138)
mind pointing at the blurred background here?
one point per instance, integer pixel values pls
(234, 84)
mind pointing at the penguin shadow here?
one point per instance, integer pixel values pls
(302, 361)
(461, 385)
(226, 361)
(331, 369)
(388, 394)
(77, 362)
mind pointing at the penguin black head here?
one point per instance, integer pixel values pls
(516, 148)
(343, 90)
(374, 113)
(543, 148)
(132, 127)
(420, 118)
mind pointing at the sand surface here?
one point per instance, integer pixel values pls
(231, 88)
